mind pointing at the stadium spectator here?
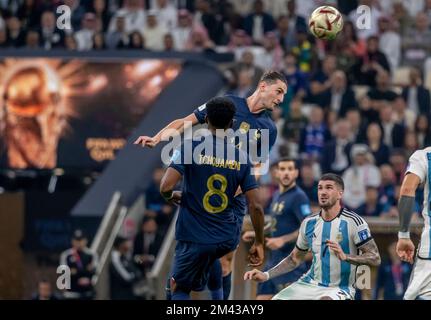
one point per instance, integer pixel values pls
(136, 41)
(308, 182)
(304, 52)
(372, 28)
(258, 23)
(245, 63)
(271, 58)
(168, 43)
(183, 30)
(118, 38)
(402, 115)
(167, 14)
(147, 244)
(84, 37)
(245, 86)
(372, 207)
(339, 97)
(382, 92)
(393, 277)
(205, 16)
(389, 42)
(29, 14)
(423, 130)
(70, 42)
(416, 42)
(314, 135)
(133, 13)
(199, 42)
(123, 273)
(335, 155)
(15, 33)
(32, 40)
(3, 38)
(393, 133)
(82, 263)
(398, 161)
(77, 13)
(387, 187)
(356, 125)
(44, 291)
(378, 148)
(365, 70)
(99, 41)
(320, 81)
(416, 95)
(411, 143)
(153, 32)
(49, 34)
(101, 11)
(296, 79)
(358, 176)
(295, 123)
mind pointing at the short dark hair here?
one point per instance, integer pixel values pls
(288, 159)
(271, 77)
(333, 177)
(220, 112)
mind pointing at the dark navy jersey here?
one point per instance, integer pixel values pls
(288, 209)
(210, 181)
(246, 122)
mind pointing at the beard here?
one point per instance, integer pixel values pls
(328, 204)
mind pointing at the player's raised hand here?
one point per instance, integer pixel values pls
(256, 255)
(335, 247)
(255, 275)
(405, 250)
(146, 141)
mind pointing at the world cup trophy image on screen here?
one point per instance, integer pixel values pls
(32, 117)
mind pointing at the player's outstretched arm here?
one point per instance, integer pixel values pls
(175, 127)
(256, 253)
(291, 262)
(369, 256)
(406, 204)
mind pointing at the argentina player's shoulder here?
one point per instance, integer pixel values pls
(352, 217)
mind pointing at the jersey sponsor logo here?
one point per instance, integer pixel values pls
(363, 235)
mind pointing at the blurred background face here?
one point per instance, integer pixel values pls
(374, 133)
(372, 195)
(150, 226)
(422, 21)
(386, 113)
(245, 79)
(360, 159)
(48, 20)
(79, 244)
(316, 116)
(99, 5)
(342, 129)
(44, 290)
(329, 64)
(372, 45)
(339, 80)
(382, 79)
(388, 175)
(248, 58)
(307, 175)
(287, 173)
(422, 123)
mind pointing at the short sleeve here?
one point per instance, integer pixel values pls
(301, 242)
(201, 113)
(361, 232)
(418, 165)
(249, 181)
(177, 160)
(301, 207)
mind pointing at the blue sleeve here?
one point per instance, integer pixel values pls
(249, 181)
(302, 207)
(201, 113)
(177, 162)
(272, 137)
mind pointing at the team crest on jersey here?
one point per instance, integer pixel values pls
(339, 237)
(244, 127)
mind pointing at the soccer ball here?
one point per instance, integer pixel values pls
(325, 23)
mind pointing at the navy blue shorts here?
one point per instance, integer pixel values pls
(275, 285)
(192, 262)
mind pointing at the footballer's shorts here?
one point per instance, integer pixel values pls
(307, 291)
(420, 281)
(192, 262)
